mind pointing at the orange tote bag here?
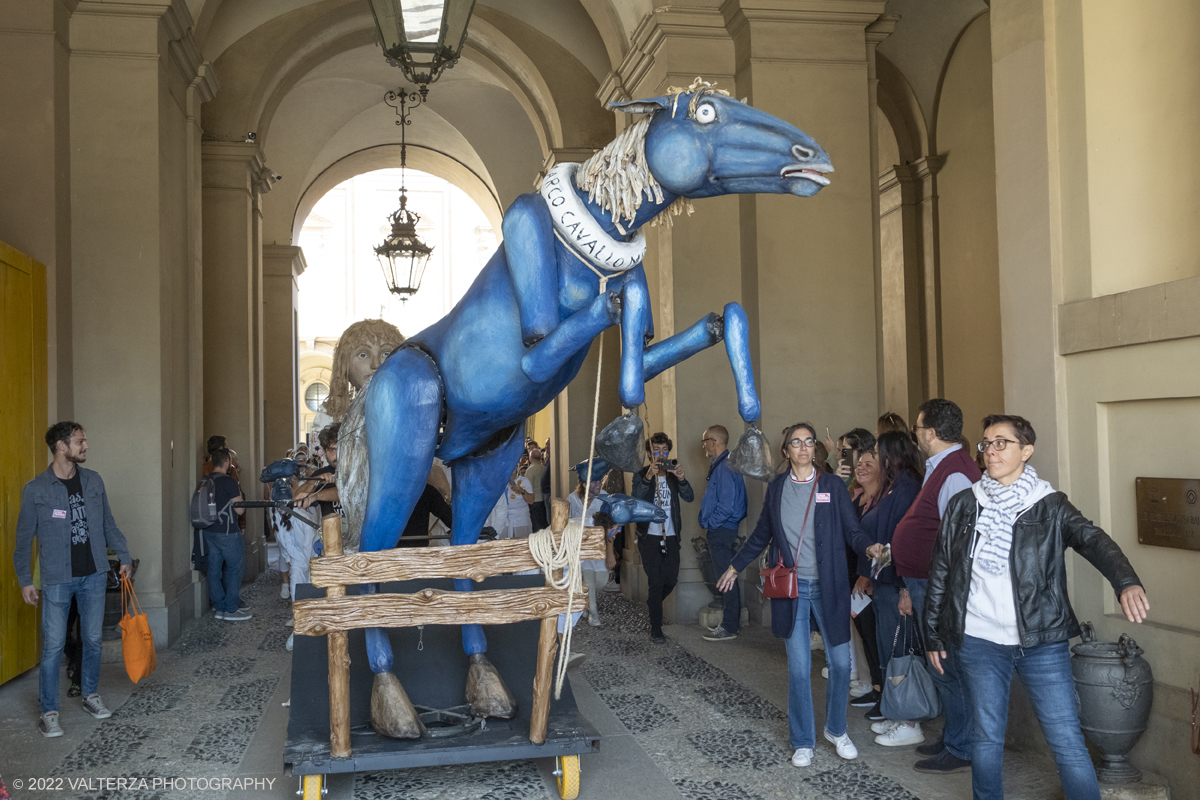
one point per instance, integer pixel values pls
(137, 641)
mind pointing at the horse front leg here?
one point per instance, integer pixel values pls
(574, 333)
(734, 328)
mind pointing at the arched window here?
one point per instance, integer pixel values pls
(315, 396)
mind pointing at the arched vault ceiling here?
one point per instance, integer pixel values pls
(590, 30)
(338, 110)
(921, 44)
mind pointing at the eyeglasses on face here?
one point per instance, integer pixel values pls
(805, 443)
(999, 444)
(707, 439)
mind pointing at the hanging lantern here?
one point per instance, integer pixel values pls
(422, 37)
(403, 255)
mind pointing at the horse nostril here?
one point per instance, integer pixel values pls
(803, 153)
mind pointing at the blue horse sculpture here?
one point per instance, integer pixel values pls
(569, 268)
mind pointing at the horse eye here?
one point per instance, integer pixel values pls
(706, 113)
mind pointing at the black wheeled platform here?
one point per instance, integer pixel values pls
(434, 676)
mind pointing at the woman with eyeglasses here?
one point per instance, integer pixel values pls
(807, 520)
(997, 600)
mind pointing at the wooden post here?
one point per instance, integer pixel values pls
(543, 678)
(339, 654)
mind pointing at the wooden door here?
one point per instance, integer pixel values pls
(23, 452)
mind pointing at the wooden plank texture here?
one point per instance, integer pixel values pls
(474, 561)
(319, 616)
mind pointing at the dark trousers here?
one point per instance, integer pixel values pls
(619, 551)
(865, 623)
(537, 515)
(662, 573)
(720, 547)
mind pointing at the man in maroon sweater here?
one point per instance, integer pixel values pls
(949, 469)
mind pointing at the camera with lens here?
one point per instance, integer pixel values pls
(667, 463)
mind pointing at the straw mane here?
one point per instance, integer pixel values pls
(618, 178)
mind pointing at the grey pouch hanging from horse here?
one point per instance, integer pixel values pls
(752, 456)
(621, 443)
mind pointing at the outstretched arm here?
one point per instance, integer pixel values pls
(532, 265)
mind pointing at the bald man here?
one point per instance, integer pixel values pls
(723, 507)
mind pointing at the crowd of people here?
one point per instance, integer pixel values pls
(878, 532)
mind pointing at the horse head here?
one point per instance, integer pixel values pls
(703, 143)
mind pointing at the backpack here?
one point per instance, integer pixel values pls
(203, 508)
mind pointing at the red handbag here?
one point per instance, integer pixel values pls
(779, 581)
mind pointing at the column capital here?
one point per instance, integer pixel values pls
(800, 31)
(231, 165)
(283, 260)
(672, 46)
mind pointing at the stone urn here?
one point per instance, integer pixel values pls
(1115, 688)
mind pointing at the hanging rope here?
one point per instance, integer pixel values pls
(566, 556)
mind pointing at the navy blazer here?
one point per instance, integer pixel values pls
(880, 522)
(835, 525)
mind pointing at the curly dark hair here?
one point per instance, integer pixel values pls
(329, 435)
(659, 438)
(61, 432)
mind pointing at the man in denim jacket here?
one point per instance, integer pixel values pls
(66, 509)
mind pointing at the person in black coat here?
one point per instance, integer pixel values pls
(807, 519)
(663, 483)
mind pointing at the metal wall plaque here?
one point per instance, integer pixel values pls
(1168, 512)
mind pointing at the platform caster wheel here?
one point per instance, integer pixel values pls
(566, 769)
(312, 787)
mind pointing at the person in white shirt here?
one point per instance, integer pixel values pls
(662, 482)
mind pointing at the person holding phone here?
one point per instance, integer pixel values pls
(661, 482)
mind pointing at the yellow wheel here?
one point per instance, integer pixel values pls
(567, 770)
(312, 787)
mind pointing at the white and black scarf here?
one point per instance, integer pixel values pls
(1001, 504)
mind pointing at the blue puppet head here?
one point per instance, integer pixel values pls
(600, 468)
(703, 143)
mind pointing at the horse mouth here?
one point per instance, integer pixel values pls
(807, 173)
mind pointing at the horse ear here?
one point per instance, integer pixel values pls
(647, 106)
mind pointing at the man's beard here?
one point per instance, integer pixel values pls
(77, 459)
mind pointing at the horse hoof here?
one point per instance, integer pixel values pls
(486, 692)
(392, 713)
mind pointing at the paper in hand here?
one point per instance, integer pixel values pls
(858, 602)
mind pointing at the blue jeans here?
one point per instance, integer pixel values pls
(56, 603)
(886, 600)
(226, 563)
(802, 724)
(720, 545)
(951, 686)
(1046, 673)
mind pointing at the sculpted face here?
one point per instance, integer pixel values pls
(365, 360)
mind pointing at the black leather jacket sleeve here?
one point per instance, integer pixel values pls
(939, 570)
(1098, 548)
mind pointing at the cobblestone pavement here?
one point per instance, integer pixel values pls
(711, 736)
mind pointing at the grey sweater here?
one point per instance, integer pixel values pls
(794, 502)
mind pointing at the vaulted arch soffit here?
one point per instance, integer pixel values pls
(946, 63)
(898, 103)
(387, 156)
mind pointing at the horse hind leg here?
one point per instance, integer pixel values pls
(479, 481)
(403, 409)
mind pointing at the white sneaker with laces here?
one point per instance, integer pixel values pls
(858, 689)
(845, 747)
(95, 706)
(884, 726)
(48, 725)
(815, 642)
(284, 592)
(802, 757)
(901, 735)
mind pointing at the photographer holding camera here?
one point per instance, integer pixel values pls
(661, 482)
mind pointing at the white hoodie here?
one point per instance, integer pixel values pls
(991, 607)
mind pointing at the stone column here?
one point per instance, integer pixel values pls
(232, 182)
(133, 79)
(35, 167)
(282, 265)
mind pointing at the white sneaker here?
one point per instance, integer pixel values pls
(95, 706)
(284, 592)
(611, 586)
(845, 747)
(802, 757)
(236, 617)
(815, 642)
(825, 673)
(594, 620)
(220, 615)
(884, 726)
(291, 638)
(48, 725)
(901, 735)
(858, 689)
(290, 622)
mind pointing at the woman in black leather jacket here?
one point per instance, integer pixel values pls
(997, 600)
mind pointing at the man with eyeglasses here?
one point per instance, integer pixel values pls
(949, 469)
(721, 509)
